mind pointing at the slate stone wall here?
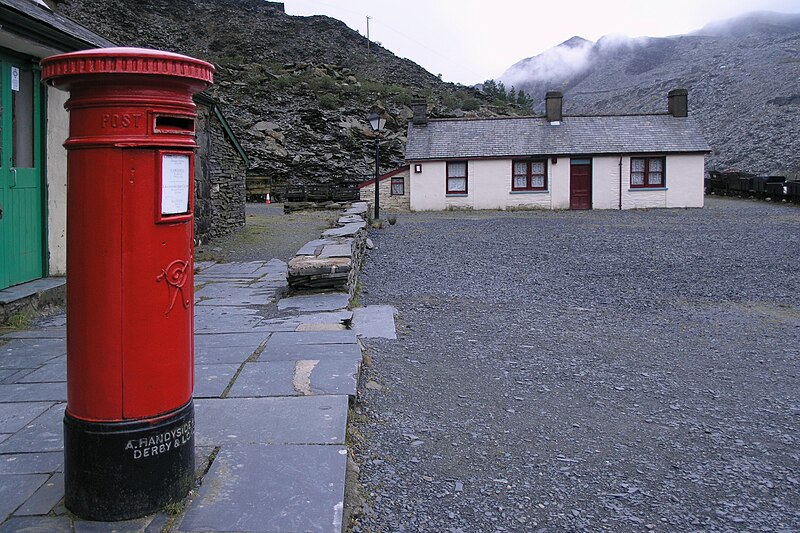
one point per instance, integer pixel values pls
(334, 261)
(219, 175)
(389, 202)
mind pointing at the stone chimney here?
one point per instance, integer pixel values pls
(678, 103)
(552, 106)
(420, 109)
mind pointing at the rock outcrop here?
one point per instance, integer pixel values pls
(296, 90)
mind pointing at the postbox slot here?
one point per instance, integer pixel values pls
(172, 123)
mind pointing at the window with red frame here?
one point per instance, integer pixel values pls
(457, 177)
(529, 175)
(398, 186)
(647, 172)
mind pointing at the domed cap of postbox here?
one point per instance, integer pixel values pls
(61, 70)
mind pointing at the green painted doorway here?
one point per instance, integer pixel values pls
(21, 199)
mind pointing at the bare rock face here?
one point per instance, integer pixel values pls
(742, 75)
(296, 90)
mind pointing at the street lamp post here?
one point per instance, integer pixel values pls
(377, 122)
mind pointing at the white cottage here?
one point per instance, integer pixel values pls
(557, 161)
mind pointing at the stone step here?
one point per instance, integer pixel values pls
(32, 298)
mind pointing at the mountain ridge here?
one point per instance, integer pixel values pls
(742, 76)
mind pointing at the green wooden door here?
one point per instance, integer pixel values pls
(21, 228)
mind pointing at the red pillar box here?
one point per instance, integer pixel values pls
(129, 423)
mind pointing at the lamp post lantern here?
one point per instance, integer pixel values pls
(377, 122)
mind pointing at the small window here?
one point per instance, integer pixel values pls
(529, 175)
(23, 118)
(647, 172)
(457, 177)
(398, 186)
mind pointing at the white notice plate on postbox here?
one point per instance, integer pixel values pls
(174, 184)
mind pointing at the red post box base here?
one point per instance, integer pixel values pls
(123, 470)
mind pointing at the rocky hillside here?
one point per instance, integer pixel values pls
(743, 77)
(297, 90)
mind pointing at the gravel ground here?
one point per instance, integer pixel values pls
(267, 234)
(584, 371)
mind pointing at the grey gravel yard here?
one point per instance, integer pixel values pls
(584, 371)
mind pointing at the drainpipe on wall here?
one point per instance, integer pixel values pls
(620, 182)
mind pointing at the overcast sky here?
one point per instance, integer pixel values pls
(469, 41)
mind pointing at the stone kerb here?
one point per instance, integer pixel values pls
(333, 261)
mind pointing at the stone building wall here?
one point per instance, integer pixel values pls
(389, 202)
(219, 176)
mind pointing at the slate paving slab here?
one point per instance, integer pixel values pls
(201, 266)
(213, 319)
(33, 392)
(7, 375)
(311, 337)
(45, 498)
(210, 381)
(31, 463)
(15, 416)
(287, 420)
(44, 434)
(215, 355)
(337, 250)
(276, 283)
(348, 230)
(293, 323)
(266, 489)
(321, 327)
(313, 247)
(358, 208)
(17, 292)
(19, 349)
(125, 526)
(217, 340)
(234, 294)
(327, 301)
(310, 351)
(47, 373)
(55, 321)
(375, 321)
(15, 489)
(19, 362)
(37, 524)
(235, 270)
(337, 376)
(49, 333)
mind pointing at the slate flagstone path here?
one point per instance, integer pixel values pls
(272, 384)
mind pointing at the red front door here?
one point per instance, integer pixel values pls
(580, 184)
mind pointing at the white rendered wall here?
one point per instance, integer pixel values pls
(427, 187)
(56, 169)
(489, 185)
(684, 184)
(685, 187)
(605, 182)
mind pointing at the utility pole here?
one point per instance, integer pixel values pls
(368, 17)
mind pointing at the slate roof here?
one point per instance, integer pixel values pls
(576, 135)
(35, 22)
